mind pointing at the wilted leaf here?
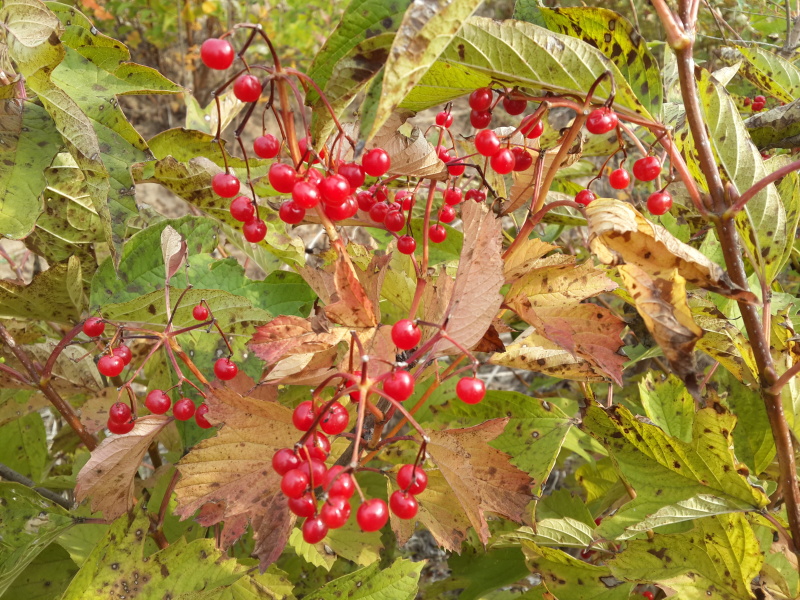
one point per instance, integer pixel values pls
(173, 249)
(723, 341)
(107, 479)
(350, 305)
(412, 155)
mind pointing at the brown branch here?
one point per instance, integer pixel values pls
(758, 186)
(11, 475)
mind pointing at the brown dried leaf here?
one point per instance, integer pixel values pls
(524, 257)
(288, 336)
(557, 281)
(481, 477)
(490, 342)
(234, 469)
(107, 478)
(350, 306)
(619, 233)
(661, 301)
(173, 247)
(412, 156)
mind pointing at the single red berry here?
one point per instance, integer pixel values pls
(601, 120)
(470, 390)
(334, 189)
(94, 326)
(585, 197)
(217, 54)
(291, 213)
(354, 173)
(306, 194)
(761, 99)
(399, 385)
(447, 214)
(254, 230)
(403, 505)
(405, 334)
(315, 469)
(437, 233)
(365, 200)
(247, 88)
(503, 161)
(225, 185)
(444, 119)
(381, 192)
(514, 107)
(406, 244)
(659, 203)
(379, 211)
(619, 179)
(757, 106)
(372, 514)
(586, 554)
(119, 428)
(200, 417)
(335, 512)
(294, 483)
(124, 353)
(337, 483)
(522, 159)
(305, 152)
(225, 369)
(316, 446)
(119, 412)
(376, 162)
(405, 199)
(183, 409)
(486, 142)
(345, 210)
(314, 530)
(200, 313)
(452, 196)
(335, 419)
(480, 119)
(304, 506)
(303, 415)
(456, 167)
(476, 195)
(266, 146)
(242, 209)
(394, 220)
(747, 101)
(110, 365)
(648, 595)
(157, 402)
(284, 460)
(481, 99)
(647, 168)
(533, 130)
(282, 177)
(412, 480)
(598, 520)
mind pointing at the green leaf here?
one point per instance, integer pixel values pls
(29, 524)
(770, 73)
(665, 472)
(514, 53)
(669, 405)
(426, 30)
(398, 582)
(357, 546)
(23, 446)
(270, 585)
(45, 578)
(564, 532)
(311, 553)
(789, 191)
(716, 560)
(562, 504)
(53, 295)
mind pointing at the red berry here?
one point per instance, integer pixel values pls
(522, 159)
(601, 120)
(598, 520)
(306, 194)
(124, 353)
(291, 213)
(747, 101)
(225, 369)
(110, 365)
(761, 99)
(294, 483)
(659, 203)
(502, 161)
(452, 196)
(303, 416)
(534, 130)
(314, 530)
(399, 385)
(315, 469)
(379, 211)
(405, 198)
(225, 185)
(480, 119)
(200, 313)
(376, 162)
(200, 417)
(354, 173)
(394, 220)
(119, 413)
(381, 192)
(514, 107)
(365, 200)
(619, 179)
(343, 211)
(403, 505)
(217, 54)
(757, 106)
(412, 480)
(316, 446)
(284, 460)
(305, 152)
(585, 197)
(157, 402)
(647, 168)
(254, 230)
(447, 214)
(437, 233)
(444, 119)
(356, 396)
(119, 428)
(470, 390)
(94, 326)
(247, 88)
(486, 142)
(335, 511)
(242, 209)
(334, 189)
(648, 595)
(304, 506)
(282, 177)
(335, 420)
(405, 334)
(372, 514)
(183, 409)
(337, 483)
(266, 146)
(481, 99)
(406, 244)
(476, 195)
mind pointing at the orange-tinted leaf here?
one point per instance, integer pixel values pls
(288, 336)
(350, 305)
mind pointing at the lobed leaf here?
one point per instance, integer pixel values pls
(398, 581)
(770, 72)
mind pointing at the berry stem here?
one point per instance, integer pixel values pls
(62, 343)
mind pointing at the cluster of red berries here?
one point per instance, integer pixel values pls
(757, 104)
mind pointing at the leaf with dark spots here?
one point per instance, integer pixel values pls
(54, 295)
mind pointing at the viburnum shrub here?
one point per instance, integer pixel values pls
(500, 326)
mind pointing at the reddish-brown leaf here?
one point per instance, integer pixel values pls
(288, 336)
(350, 305)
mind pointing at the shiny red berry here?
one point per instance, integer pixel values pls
(335, 420)
(284, 460)
(119, 412)
(619, 179)
(394, 220)
(444, 119)
(376, 162)
(266, 146)
(480, 119)
(372, 514)
(315, 469)
(157, 402)
(659, 203)
(303, 415)
(294, 483)
(405, 334)
(354, 173)
(648, 595)
(481, 99)
(476, 195)
(110, 365)
(585, 197)
(647, 168)
(522, 159)
(601, 120)
(403, 505)
(486, 142)
(399, 385)
(306, 194)
(317, 445)
(124, 353)
(365, 200)
(342, 211)
(379, 211)
(335, 512)
(470, 390)
(200, 417)
(304, 506)
(225, 369)
(412, 480)
(514, 107)
(200, 313)
(437, 233)
(254, 230)
(502, 161)
(453, 196)
(183, 409)
(533, 130)
(242, 209)
(314, 530)
(247, 88)
(282, 177)
(447, 214)
(217, 54)
(94, 326)
(225, 185)
(119, 428)
(334, 189)
(761, 99)
(291, 213)
(406, 244)
(337, 483)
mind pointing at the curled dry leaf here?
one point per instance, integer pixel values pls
(234, 470)
(173, 248)
(619, 233)
(411, 156)
(107, 478)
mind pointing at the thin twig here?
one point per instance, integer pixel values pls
(11, 475)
